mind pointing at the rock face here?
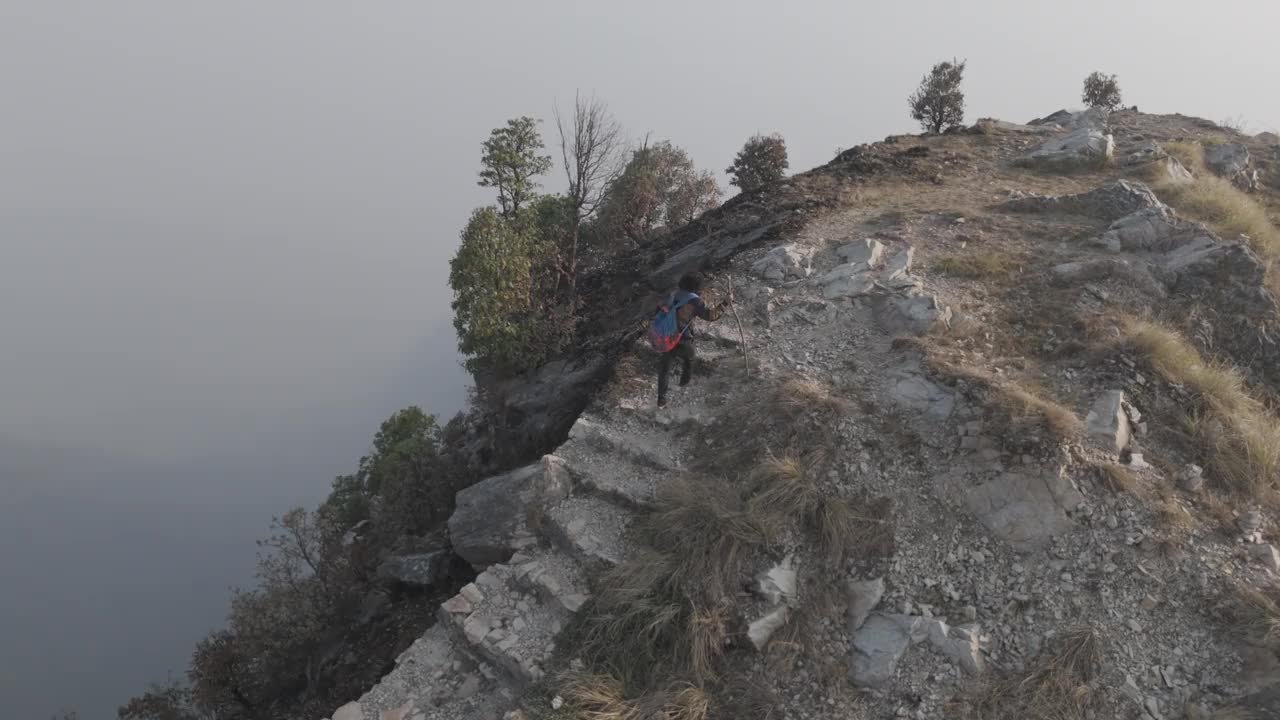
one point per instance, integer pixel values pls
(868, 252)
(1081, 148)
(785, 262)
(914, 313)
(882, 641)
(1109, 202)
(1108, 423)
(1025, 508)
(864, 596)
(490, 523)
(422, 570)
(1231, 161)
(909, 387)
(847, 281)
(879, 645)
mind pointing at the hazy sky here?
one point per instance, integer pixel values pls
(225, 227)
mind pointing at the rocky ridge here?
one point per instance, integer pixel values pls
(1004, 535)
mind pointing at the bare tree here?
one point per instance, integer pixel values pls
(592, 145)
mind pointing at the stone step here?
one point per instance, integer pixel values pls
(591, 528)
(555, 577)
(615, 478)
(644, 443)
(504, 617)
(433, 679)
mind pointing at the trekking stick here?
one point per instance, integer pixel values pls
(742, 336)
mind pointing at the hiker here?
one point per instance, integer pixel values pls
(672, 329)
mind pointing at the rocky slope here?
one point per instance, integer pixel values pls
(943, 325)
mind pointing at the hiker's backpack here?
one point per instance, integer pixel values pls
(664, 331)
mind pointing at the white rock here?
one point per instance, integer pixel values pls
(848, 280)
(868, 252)
(1107, 421)
(1267, 555)
(764, 627)
(1085, 147)
(864, 596)
(350, 711)
(784, 262)
(778, 584)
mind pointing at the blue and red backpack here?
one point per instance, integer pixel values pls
(664, 332)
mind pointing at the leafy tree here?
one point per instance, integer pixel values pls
(1101, 91)
(660, 187)
(511, 161)
(163, 701)
(761, 162)
(492, 278)
(938, 104)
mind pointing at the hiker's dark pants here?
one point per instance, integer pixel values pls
(682, 350)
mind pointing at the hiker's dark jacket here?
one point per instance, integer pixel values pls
(694, 308)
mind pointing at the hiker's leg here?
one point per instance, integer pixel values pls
(664, 370)
(685, 348)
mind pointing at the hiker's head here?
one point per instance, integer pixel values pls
(691, 282)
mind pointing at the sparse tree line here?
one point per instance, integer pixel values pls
(515, 275)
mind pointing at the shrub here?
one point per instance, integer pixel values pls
(938, 104)
(1101, 91)
(761, 162)
(660, 187)
(498, 310)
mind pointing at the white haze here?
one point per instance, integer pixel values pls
(225, 229)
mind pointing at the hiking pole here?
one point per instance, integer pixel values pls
(742, 336)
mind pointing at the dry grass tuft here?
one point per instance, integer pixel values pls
(1025, 405)
(804, 395)
(1118, 479)
(976, 265)
(1170, 515)
(1232, 429)
(707, 532)
(1224, 207)
(603, 697)
(1255, 613)
(1055, 687)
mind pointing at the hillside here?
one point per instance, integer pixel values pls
(996, 440)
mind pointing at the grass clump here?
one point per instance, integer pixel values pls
(1216, 202)
(1056, 687)
(602, 697)
(1118, 479)
(1235, 433)
(1025, 405)
(977, 265)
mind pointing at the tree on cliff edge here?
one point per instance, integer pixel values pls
(938, 104)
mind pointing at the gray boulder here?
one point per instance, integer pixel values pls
(913, 313)
(1267, 138)
(491, 521)
(1109, 202)
(1025, 508)
(864, 596)
(1081, 148)
(784, 262)
(423, 570)
(868, 252)
(1108, 423)
(878, 646)
(1229, 160)
(847, 281)
(908, 386)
